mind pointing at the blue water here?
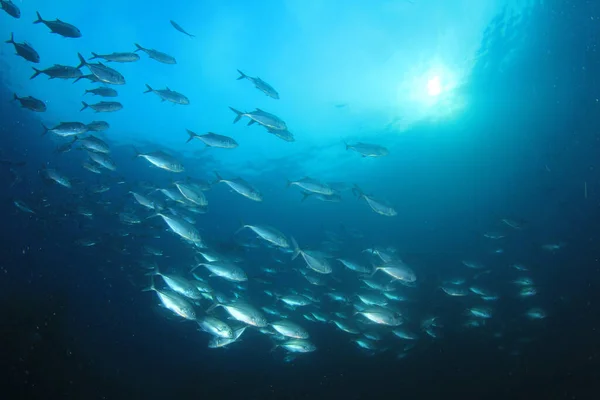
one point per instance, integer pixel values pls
(511, 135)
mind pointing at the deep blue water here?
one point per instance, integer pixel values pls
(513, 135)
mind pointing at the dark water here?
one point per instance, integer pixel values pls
(75, 323)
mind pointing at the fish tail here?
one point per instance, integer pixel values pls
(45, 129)
(138, 47)
(82, 62)
(94, 56)
(86, 91)
(150, 288)
(242, 75)
(305, 195)
(192, 135)
(36, 73)
(212, 308)
(85, 105)
(155, 271)
(78, 78)
(357, 191)
(12, 38)
(149, 89)
(137, 154)
(219, 177)
(296, 249)
(288, 183)
(238, 114)
(347, 145)
(39, 19)
(275, 346)
(15, 97)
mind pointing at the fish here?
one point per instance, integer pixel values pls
(216, 327)
(211, 139)
(314, 260)
(289, 329)
(23, 207)
(102, 91)
(31, 103)
(313, 186)
(161, 160)
(243, 312)
(381, 316)
(11, 8)
(157, 55)
(57, 177)
(269, 121)
(182, 228)
(368, 150)
(377, 206)
(180, 29)
(66, 129)
(117, 57)
(58, 71)
(269, 234)
(103, 160)
(94, 144)
(169, 95)
(59, 27)
(102, 72)
(143, 200)
(103, 106)
(298, 346)
(174, 302)
(24, 50)
(178, 284)
(282, 134)
(192, 193)
(398, 270)
(242, 187)
(217, 341)
(91, 77)
(260, 85)
(225, 270)
(97, 126)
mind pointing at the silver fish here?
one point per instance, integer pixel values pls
(162, 160)
(157, 55)
(368, 150)
(260, 85)
(261, 117)
(103, 106)
(31, 103)
(102, 72)
(24, 50)
(59, 27)
(242, 187)
(213, 140)
(167, 94)
(117, 57)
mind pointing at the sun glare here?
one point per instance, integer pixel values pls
(434, 87)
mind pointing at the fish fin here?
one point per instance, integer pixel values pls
(139, 47)
(192, 135)
(149, 89)
(15, 97)
(94, 56)
(242, 75)
(78, 78)
(251, 122)
(85, 105)
(39, 19)
(45, 129)
(12, 38)
(238, 114)
(37, 72)
(357, 191)
(82, 62)
(219, 177)
(305, 195)
(347, 145)
(296, 249)
(137, 154)
(150, 288)
(86, 91)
